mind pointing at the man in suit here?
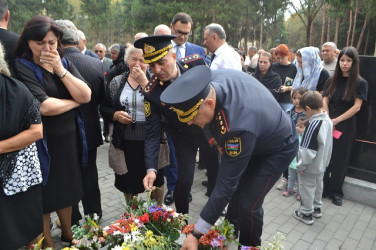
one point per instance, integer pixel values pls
(7, 38)
(82, 45)
(100, 51)
(181, 26)
(91, 70)
(162, 29)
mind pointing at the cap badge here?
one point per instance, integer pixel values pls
(148, 48)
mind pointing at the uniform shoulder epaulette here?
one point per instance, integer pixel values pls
(151, 85)
(222, 122)
(192, 61)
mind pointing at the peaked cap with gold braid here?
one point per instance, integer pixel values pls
(154, 47)
(188, 92)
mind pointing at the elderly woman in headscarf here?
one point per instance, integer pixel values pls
(21, 215)
(311, 74)
(119, 65)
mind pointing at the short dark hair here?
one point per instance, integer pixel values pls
(35, 30)
(3, 8)
(312, 99)
(183, 18)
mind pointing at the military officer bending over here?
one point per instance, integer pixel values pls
(255, 137)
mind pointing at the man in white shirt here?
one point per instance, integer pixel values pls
(224, 57)
(329, 59)
(252, 59)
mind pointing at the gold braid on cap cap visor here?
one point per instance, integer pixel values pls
(191, 113)
(164, 51)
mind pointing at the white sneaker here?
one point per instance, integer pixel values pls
(282, 185)
(306, 219)
(317, 213)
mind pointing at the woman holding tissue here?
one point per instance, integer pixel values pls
(343, 96)
(57, 85)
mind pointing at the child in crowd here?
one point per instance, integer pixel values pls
(295, 112)
(301, 124)
(313, 157)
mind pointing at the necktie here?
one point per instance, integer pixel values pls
(212, 59)
(178, 55)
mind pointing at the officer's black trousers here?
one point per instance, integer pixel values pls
(245, 208)
(186, 149)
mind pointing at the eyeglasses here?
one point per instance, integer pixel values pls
(98, 51)
(179, 33)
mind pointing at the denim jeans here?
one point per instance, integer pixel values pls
(293, 176)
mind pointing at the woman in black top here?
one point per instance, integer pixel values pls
(271, 80)
(343, 98)
(287, 71)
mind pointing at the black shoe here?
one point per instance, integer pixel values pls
(189, 197)
(223, 213)
(169, 198)
(207, 194)
(337, 200)
(204, 183)
(65, 241)
(106, 139)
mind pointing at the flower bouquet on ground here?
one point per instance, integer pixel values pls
(144, 225)
(219, 237)
(88, 235)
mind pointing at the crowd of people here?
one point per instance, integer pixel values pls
(255, 119)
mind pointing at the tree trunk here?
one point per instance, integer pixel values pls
(338, 19)
(310, 34)
(362, 32)
(365, 47)
(323, 24)
(261, 31)
(328, 31)
(354, 25)
(350, 25)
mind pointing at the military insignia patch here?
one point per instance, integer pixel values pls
(147, 109)
(233, 147)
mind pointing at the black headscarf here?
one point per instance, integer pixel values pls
(270, 80)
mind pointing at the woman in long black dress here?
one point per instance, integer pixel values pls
(343, 97)
(40, 67)
(21, 214)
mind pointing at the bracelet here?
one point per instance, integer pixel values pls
(196, 234)
(63, 74)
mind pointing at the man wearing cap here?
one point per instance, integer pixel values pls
(162, 61)
(255, 146)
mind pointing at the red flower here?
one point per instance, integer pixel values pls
(144, 218)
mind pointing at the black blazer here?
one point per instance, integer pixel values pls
(91, 70)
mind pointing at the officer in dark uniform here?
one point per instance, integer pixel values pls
(162, 61)
(257, 141)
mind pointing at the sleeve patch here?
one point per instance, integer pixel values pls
(233, 146)
(147, 109)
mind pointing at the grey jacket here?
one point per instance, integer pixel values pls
(316, 147)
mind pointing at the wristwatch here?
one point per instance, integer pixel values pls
(196, 234)
(62, 75)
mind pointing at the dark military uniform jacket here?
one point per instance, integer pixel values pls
(248, 122)
(154, 111)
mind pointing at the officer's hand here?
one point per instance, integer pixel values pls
(122, 117)
(190, 243)
(139, 76)
(149, 179)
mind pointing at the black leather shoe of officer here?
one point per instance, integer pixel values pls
(204, 183)
(189, 197)
(337, 200)
(169, 198)
(106, 139)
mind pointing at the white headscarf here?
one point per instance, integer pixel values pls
(311, 63)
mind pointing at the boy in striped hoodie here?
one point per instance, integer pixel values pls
(313, 157)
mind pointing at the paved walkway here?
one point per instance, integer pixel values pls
(351, 226)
